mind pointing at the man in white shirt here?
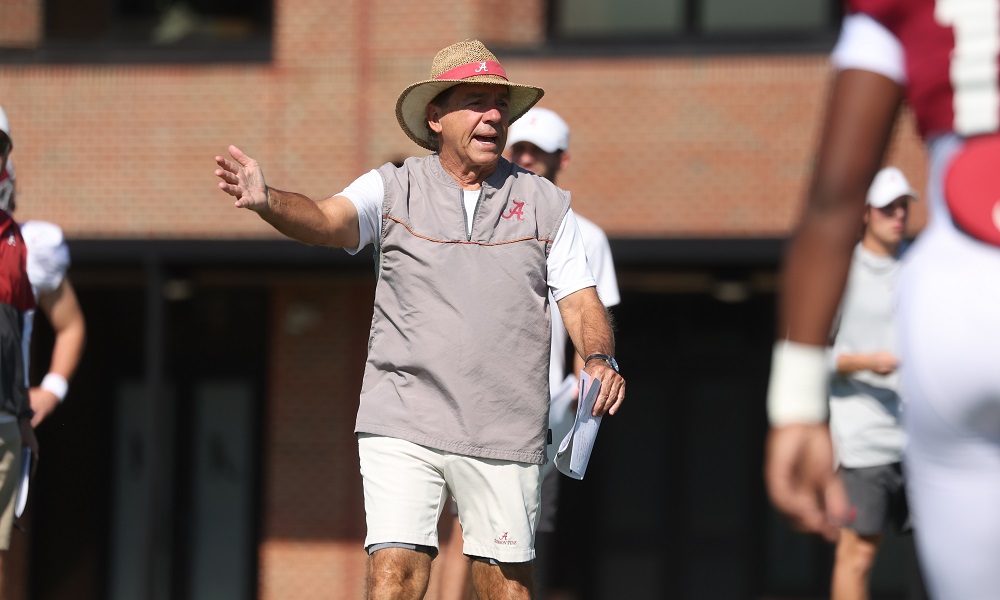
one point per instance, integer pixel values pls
(865, 405)
(467, 248)
(539, 142)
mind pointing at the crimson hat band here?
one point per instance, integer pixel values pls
(486, 67)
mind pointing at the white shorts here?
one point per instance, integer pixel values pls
(406, 486)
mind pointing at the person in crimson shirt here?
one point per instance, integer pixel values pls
(940, 57)
(16, 300)
(48, 262)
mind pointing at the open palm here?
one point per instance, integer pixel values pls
(242, 179)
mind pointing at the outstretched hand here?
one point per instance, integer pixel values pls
(801, 480)
(242, 179)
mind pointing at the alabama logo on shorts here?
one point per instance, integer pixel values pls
(503, 540)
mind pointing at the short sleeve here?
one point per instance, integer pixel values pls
(567, 261)
(867, 45)
(366, 193)
(595, 241)
(48, 255)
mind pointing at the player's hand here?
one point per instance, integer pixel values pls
(28, 439)
(612, 392)
(883, 363)
(801, 480)
(43, 402)
(243, 179)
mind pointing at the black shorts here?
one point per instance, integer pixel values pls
(877, 496)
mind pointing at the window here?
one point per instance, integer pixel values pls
(693, 21)
(156, 30)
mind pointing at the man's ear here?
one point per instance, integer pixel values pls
(434, 118)
(563, 159)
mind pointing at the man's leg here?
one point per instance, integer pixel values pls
(450, 573)
(545, 537)
(397, 574)
(853, 564)
(504, 581)
(404, 493)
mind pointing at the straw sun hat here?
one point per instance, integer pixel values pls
(464, 62)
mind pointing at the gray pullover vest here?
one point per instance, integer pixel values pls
(458, 355)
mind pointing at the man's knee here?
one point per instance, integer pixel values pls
(857, 552)
(502, 581)
(398, 569)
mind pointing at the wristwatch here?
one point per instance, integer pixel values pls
(608, 359)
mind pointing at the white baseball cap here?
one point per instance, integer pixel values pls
(888, 185)
(541, 127)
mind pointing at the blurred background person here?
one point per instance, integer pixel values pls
(940, 57)
(539, 142)
(16, 302)
(864, 398)
(48, 262)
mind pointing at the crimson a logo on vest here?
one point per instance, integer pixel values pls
(515, 211)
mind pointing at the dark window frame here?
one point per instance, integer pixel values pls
(690, 41)
(254, 48)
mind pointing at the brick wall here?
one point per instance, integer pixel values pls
(313, 506)
(673, 146)
(661, 146)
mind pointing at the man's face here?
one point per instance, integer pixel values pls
(888, 224)
(536, 160)
(472, 126)
(5, 147)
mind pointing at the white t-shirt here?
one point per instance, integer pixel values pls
(561, 414)
(865, 406)
(603, 268)
(567, 261)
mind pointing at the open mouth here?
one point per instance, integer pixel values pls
(486, 139)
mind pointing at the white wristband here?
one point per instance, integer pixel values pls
(798, 389)
(56, 384)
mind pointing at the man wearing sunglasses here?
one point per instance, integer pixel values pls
(864, 401)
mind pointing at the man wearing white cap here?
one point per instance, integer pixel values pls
(539, 142)
(455, 391)
(864, 400)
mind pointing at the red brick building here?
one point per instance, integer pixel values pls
(206, 447)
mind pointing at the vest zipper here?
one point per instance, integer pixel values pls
(475, 211)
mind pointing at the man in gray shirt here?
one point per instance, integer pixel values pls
(864, 401)
(455, 393)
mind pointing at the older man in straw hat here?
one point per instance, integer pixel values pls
(455, 393)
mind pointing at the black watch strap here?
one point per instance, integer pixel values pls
(608, 359)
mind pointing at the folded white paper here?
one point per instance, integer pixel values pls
(21, 497)
(574, 449)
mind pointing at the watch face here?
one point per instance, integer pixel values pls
(613, 363)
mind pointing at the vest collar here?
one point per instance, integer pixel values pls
(495, 180)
